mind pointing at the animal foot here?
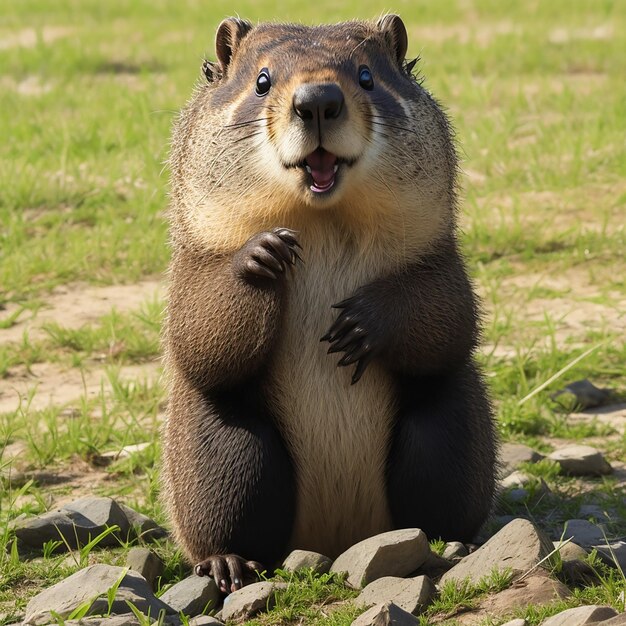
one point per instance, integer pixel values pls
(266, 254)
(229, 571)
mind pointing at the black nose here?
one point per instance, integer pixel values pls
(318, 101)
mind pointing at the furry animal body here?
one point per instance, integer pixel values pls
(321, 325)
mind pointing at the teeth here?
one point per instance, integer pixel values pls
(308, 169)
(335, 168)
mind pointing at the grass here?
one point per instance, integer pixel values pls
(88, 93)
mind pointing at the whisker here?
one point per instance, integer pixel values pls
(240, 124)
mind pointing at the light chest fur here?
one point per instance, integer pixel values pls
(337, 433)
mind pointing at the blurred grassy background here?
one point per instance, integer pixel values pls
(88, 91)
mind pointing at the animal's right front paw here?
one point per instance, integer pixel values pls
(267, 254)
(229, 571)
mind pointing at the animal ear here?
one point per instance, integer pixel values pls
(394, 30)
(229, 35)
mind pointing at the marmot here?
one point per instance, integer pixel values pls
(318, 143)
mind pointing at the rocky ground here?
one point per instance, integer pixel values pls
(397, 576)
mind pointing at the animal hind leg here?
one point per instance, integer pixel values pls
(442, 459)
(230, 486)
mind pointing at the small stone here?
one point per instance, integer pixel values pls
(512, 455)
(537, 589)
(455, 550)
(146, 562)
(394, 553)
(302, 559)
(613, 553)
(89, 583)
(516, 495)
(594, 511)
(583, 533)
(618, 620)
(250, 600)
(581, 616)
(387, 614)
(411, 594)
(516, 479)
(81, 521)
(519, 546)
(147, 529)
(570, 551)
(516, 622)
(205, 620)
(193, 595)
(582, 394)
(579, 460)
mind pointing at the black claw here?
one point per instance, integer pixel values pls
(254, 267)
(326, 337)
(333, 348)
(347, 359)
(360, 368)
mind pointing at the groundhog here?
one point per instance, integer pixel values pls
(320, 323)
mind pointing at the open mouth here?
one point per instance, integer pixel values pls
(322, 167)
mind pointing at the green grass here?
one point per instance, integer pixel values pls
(537, 96)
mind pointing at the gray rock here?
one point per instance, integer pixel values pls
(91, 584)
(205, 620)
(145, 527)
(516, 479)
(193, 595)
(252, 599)
(411, 594)
(387, 614)
(519, 546)
(613, 553)
(582, 394)
(581, 616)
(512, 455)
(570, 551)
(394, 553)
(301, 559)
(518, 486)
(146, 562)
(455, 550)
(618, 620)
(583, 533)
(81, 521)
(538, 589)
(579, 460)
(593, 510)
(516, 622)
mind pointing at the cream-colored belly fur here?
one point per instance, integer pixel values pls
(338, 434)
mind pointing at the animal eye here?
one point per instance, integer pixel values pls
(365, 78)
(263, 82)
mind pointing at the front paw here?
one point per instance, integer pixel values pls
(357, 332)
(267, 254)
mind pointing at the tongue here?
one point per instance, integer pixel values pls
(322, 164)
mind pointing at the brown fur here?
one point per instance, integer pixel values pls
(385, 236)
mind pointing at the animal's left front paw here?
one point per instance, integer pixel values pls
(355, 332)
